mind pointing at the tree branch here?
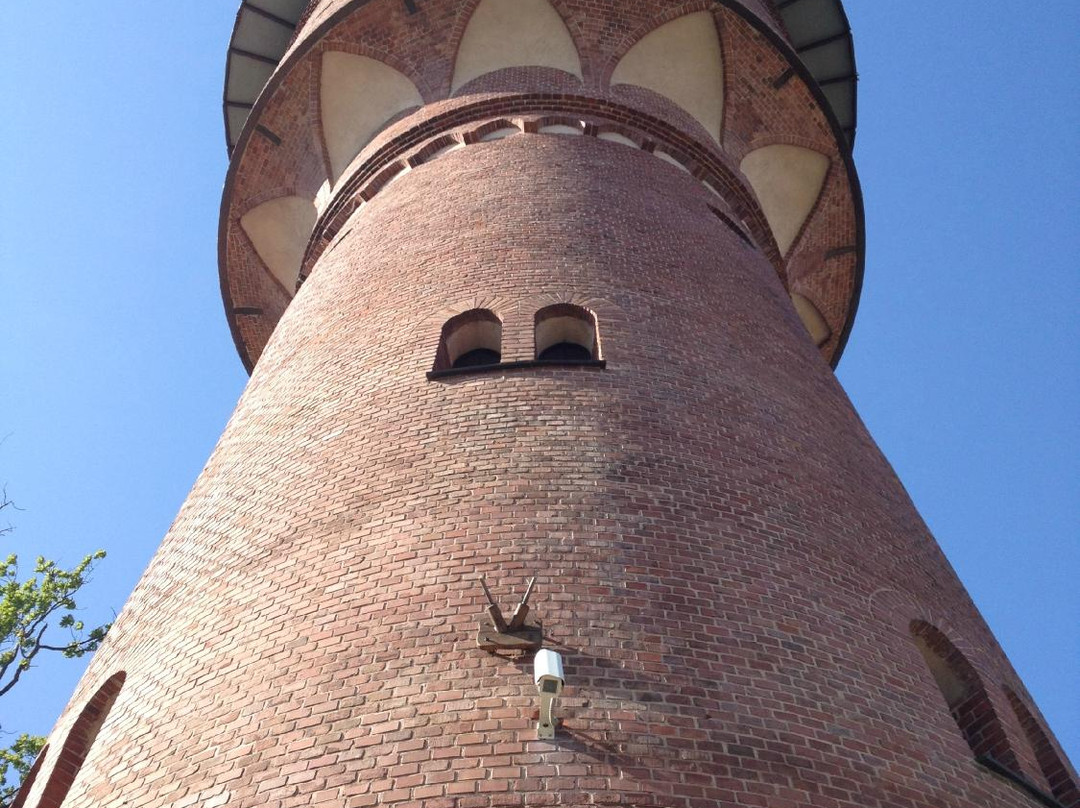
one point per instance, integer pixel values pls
(24, 663)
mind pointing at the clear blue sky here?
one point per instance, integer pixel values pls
(117, 372)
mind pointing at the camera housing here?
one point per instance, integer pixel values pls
(549, 679)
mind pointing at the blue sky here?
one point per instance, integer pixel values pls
(118, 372)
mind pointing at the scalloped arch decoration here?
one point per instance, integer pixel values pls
(357, 96)
(683, 61)
(279, 230)
(514, 33)
(787, 181)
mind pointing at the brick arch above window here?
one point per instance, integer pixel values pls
(566, 332)
(964, 693)
(80, 739)
(470, 339)
(31, 776)
(1061, 780)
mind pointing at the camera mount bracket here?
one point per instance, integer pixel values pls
(513, 635)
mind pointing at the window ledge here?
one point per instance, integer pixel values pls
(1015, 777)
(529, 363)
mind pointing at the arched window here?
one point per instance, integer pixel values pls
(79, 740)
(471, 339)
(31, 776)
(965, 695)
(566, 333)
(1058, 777)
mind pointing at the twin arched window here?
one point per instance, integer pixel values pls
(978, 721)
(562, 334)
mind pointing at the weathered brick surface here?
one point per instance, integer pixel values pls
(728, 565)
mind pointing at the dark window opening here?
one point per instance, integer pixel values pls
(478, 357)
(565, 352)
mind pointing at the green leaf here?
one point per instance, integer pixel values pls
(15, 763)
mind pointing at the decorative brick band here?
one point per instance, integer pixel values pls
(533, 113)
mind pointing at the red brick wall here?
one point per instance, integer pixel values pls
(720, 548)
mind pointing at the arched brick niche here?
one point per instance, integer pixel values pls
(79, 741)
(964, 694)
(470, 339)
(31, 776)
(1058, 777)
(566, 332)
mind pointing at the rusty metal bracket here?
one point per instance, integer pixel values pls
(517, 635)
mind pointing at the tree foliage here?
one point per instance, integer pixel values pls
(29, 608)
(37, 616)
(15, 763)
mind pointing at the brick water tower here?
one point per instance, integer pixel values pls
(546, 289)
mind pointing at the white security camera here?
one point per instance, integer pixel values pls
(548, 675)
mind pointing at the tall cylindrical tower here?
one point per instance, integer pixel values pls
(546, 288)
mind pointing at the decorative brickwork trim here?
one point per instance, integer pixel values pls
(502, 111)
(966, 696)
(435, 148)
(731, 225)
(79, 740)
(1060, 779)
(31, 776)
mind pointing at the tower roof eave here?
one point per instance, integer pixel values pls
(821, 36)
(260, 37)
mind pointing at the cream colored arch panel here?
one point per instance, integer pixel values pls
(279, 230)
(358, 96)
(683, 61)
(787, 181)
(514, 33)
(812, 319)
